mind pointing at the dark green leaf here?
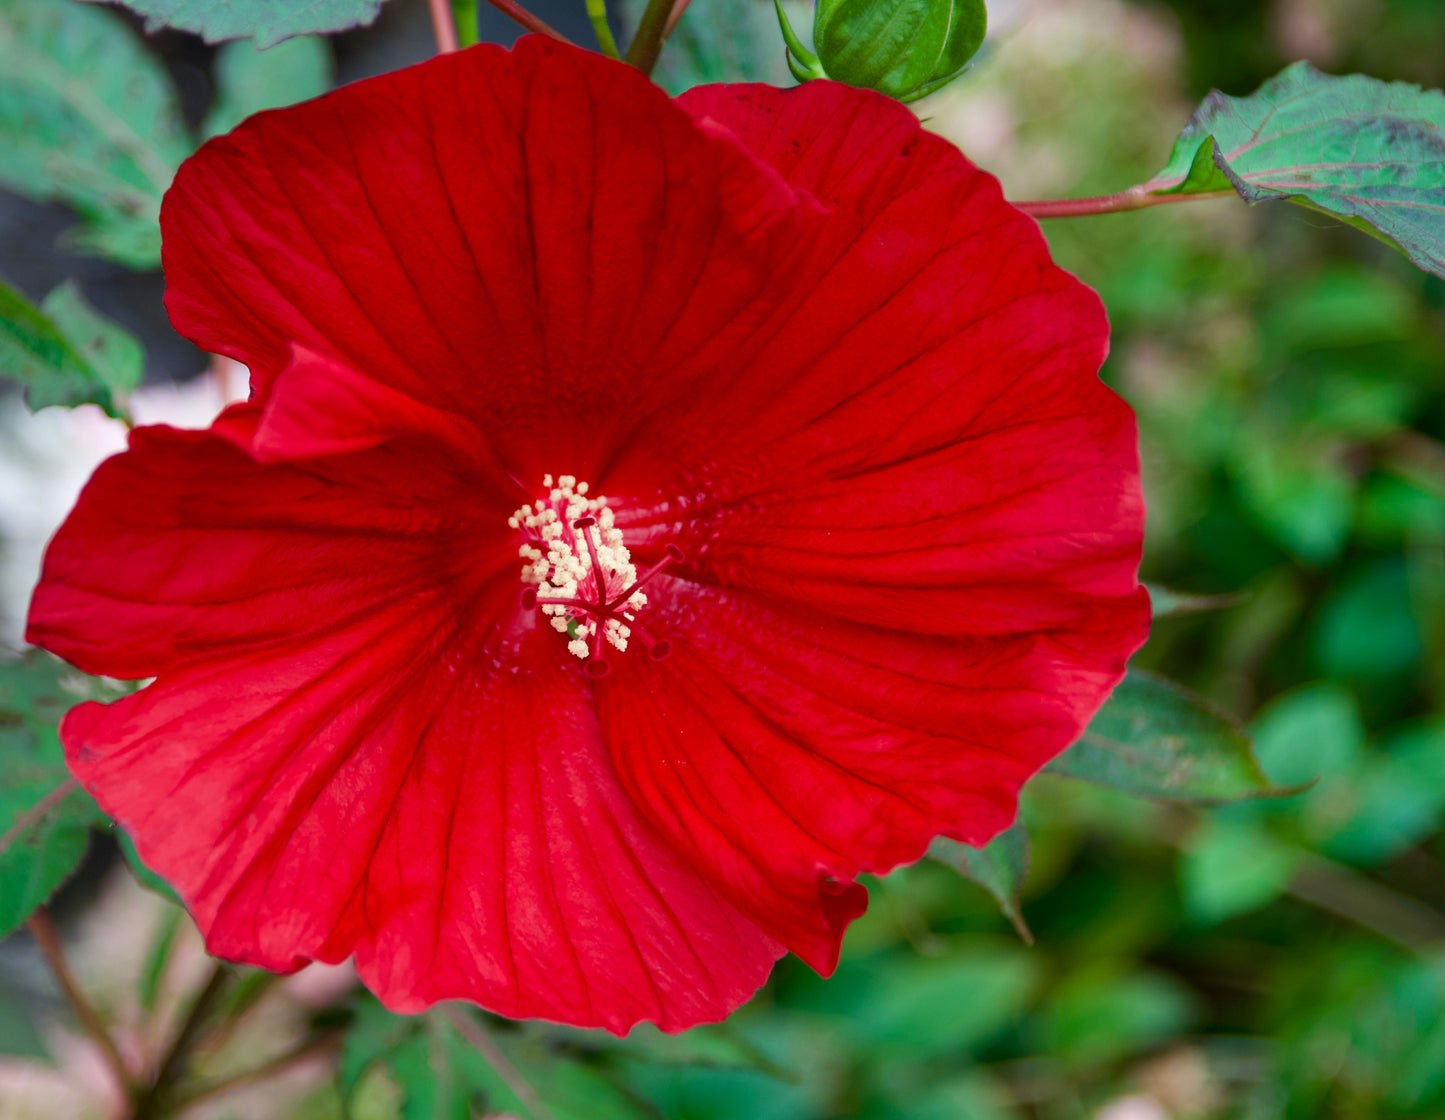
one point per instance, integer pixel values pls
(249, 80)
(266, 21)
(88, 117)
(44, 830)
(999, 868)
(1157, 739)
(36, 354)
(1367, 152)
(112, 352)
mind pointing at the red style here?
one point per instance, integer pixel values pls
(866, 560)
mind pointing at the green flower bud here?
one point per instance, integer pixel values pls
(904, 48)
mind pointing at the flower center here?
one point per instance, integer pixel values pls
(578, 571)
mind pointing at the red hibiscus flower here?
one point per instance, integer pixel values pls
(854, 557)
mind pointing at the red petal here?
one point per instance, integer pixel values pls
(922, 509)
(516, 257)
(784, 752)
(353, 750)
(911, 512)
(919, 438)
(322, 406)
(185, 546)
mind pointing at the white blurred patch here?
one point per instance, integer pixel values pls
(1132, 1108)
(46, 457)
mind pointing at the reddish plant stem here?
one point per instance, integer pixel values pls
(444, 26)
(678, 9)
(36, 813)
(512, 10)
(43, 930)
(1135, 198)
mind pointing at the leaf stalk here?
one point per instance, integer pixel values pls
(1135, 198)
(153, 1101)
(444, 26)
(42, 928)
(651, 34)
(515, 12)
(597, 13)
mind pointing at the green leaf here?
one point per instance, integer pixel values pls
(36, 353)
(926, 1007)
(44, 830)
(1397, 798)
(266, 21)
(1101, 1012)
(88, 117)
(115, 355)
(249, 79)
(1157, 739)
(1367, 152)
(1232, 867)
(1368, 629)
(1309, 732)
(999, 868)
(904, 48)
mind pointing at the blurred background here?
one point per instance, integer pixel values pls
(1275, 958)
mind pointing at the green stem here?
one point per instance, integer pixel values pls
(252, 989)
(154, 1100)
(1340, 890)
(306, 1048)
(1345, 892)
(1135, 198)
(651, 34)
(465, 13)
(597, 13)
